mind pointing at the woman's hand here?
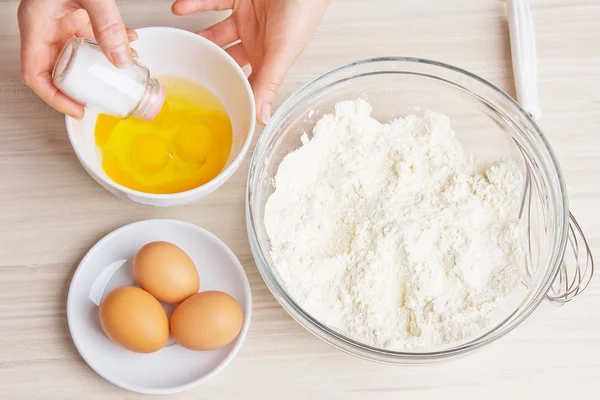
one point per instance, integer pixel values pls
(46, 25)
(273, 33)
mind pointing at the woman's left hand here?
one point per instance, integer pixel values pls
(272, 35)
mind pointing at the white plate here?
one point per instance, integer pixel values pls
(173, 368)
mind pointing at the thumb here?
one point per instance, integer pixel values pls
(267, 81)
(109, 31)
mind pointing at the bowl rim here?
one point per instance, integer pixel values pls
(225, 173)
(364, 351)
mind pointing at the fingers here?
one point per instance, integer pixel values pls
(185, 7)
(39, 52)
(109, 30)
(71, 23)
(132, 35)
(87, 33)
(266, 82)
(238, 53)
(36, 67)
(42, 85)
(221, 33)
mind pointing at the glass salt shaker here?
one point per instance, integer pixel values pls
(83, 73)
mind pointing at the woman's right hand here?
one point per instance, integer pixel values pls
(46, 25)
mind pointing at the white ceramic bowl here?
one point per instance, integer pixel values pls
(175, 52)
(172, 368)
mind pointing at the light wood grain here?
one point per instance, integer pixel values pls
(51, 212)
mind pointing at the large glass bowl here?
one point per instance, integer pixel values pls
(490, 125)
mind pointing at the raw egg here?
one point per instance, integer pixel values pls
(206, 321)
(184, 147)
(166, 272)
(135, 320)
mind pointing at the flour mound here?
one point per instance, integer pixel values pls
(391, 234)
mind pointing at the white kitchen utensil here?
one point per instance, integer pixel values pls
(524, 56)
(577, 267)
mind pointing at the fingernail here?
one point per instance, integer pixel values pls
(121, 56)
(265, 113)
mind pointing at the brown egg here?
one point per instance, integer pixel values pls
(166, 272)
(206, 321)
(135, 320)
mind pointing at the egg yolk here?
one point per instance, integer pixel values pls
(185, 146)
(194, 142)
(150, 153)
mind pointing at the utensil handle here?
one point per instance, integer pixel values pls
(576, 269)
(524, 55)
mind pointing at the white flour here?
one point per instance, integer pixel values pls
(390, 234)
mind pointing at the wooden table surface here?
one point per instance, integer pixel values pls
(52, 212)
